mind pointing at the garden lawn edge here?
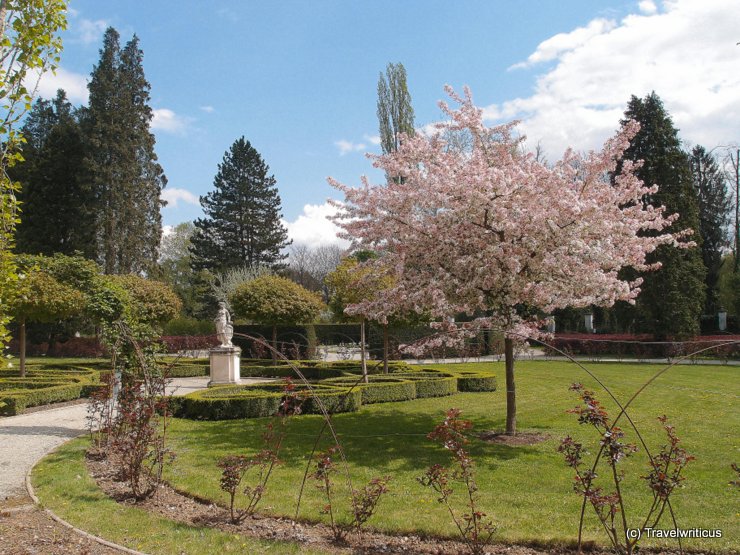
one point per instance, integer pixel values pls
(168, 529)
(60, 520)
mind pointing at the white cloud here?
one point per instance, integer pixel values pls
(88, 31)
(563, 42)
(168, 121)
(208, 109)
(173, 195)
(372, 139)
(313, 228)
(346, 147)
(74, 84)
(647, 7)
(167, 230)
(687, 54)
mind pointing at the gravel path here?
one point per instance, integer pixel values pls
(26, 438)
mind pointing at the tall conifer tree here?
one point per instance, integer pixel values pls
(242, 224)
(714, 218)
(121, 164)
(56, 205)
(671, 301)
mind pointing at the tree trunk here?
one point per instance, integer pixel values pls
(22, 346)
(274, 344)
(510, 387)
(362, 351)
(385, 348)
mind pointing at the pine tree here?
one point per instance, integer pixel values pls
(242, 224)
(121, 164)
(671, 301)
(395, 113)
(56, 204)
(714, 218)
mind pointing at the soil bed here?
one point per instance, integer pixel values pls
(178, 507)
(28, 530)
(521, 438)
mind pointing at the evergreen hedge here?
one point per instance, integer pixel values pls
(43, 386)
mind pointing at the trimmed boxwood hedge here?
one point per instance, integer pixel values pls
(230, 402)
(336, 384)
(472, 381)
(187, 367)
(43, 385)
(381, 389)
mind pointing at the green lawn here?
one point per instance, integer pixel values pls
(527, 490)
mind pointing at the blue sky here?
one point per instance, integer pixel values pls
(298, 79)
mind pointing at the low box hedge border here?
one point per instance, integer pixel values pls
(472, 382)
(381, 389)
(43, 386)
(232, 402)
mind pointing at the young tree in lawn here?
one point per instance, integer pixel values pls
(275, 300)
(489, 229)
(43, 299)
(350, 284)
(29, 46)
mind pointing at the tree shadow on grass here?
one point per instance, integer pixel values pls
(389, 438)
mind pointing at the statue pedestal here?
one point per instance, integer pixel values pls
(225, 365)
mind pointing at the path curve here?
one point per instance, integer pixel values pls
(26, 438)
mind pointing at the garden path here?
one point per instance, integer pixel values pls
(26, 438)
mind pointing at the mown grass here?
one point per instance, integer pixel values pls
(63, 484)
(527, 490)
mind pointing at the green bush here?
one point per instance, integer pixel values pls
(431, 383)
(188, 326)
(471, 381)
(381, 389)
(333, 388)
(44, 385)
(287, 371)
(231, 402)
(186, 367)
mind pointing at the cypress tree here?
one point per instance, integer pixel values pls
(242, 224)
(395, 113)
(672, 298)
(121, 164)
(56, 204)
(714, 218)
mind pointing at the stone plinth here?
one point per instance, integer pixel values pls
(225, 365)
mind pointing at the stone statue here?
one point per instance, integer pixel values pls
(224, 327)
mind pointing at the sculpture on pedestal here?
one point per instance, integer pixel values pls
(224, 327)
(224, 367)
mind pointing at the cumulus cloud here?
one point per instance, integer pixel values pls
(88, 31)
(686, 53)
(173, 195)
(345, 147)
(168, 121)
(372, 139)
(74, 84)
(208, 109)
(313, 228)
(647, 7)
(563, 42)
